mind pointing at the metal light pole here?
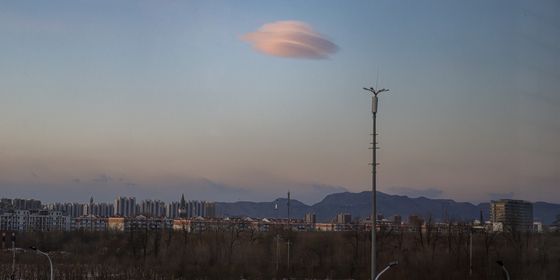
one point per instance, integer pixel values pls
(277, 251)
(46, 255)
(374, 102)
(391, 264)
(13, 254)
(506, 273)
(289, 226)
(470, 252)
(288, 258)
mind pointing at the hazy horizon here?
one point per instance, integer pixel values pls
(232, 101)
(208, 190)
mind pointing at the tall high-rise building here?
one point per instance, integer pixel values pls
(209, 209)
(310, 218)
(192, 208)
(73, 210)
(125, 206)
(343, 218)
(99, 209)
(68, 209)
(514, 215)
(415, 220)
(397, 219)
(183, 207)
(172, 210)
(26, 204)
(6, 203)
(152, 208)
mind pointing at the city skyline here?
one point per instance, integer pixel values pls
(137, 98)
(341, 203)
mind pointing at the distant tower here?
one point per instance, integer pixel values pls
(183, 207)
(374, 104)
(276, 209)
(289, 228)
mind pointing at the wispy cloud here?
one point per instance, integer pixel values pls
(293, 39)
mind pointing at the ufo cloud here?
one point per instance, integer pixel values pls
(292, 39)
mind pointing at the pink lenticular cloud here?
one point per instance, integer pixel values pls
(294, 39)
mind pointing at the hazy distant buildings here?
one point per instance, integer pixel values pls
(397, 219)
(511, 215)
(210, 210)
(99, 209)
(152, 208)
(125, 206)
(27, 204)
(6, 203)
(195, 208)
(343, 218)
(172, 210)
(415, 221)
(75, 209)
(72, 210)
(310, 218)
(182, 207)
(20, 204)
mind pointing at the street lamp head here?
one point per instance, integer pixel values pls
(33, 248)
(500, 263)
(391, 264)
(374, 91)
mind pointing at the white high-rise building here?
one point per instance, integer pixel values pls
(152, 208)
(125, 206)
(172, 210)
(192, 208)
(68, 209)
(99, 209)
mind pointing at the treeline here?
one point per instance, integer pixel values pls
(234, 254)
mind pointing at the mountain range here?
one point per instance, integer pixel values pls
(359, 205)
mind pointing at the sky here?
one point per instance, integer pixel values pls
(245, 100)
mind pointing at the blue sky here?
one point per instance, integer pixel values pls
(164, 97)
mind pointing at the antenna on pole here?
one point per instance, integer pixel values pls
(289, 228)
(377, 78)
(374, 102)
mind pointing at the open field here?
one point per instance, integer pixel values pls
(246, 254)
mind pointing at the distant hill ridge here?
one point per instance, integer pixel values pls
(359, 205)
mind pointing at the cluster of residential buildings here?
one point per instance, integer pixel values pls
(32, 215)
(196, 216)
(128, 207)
